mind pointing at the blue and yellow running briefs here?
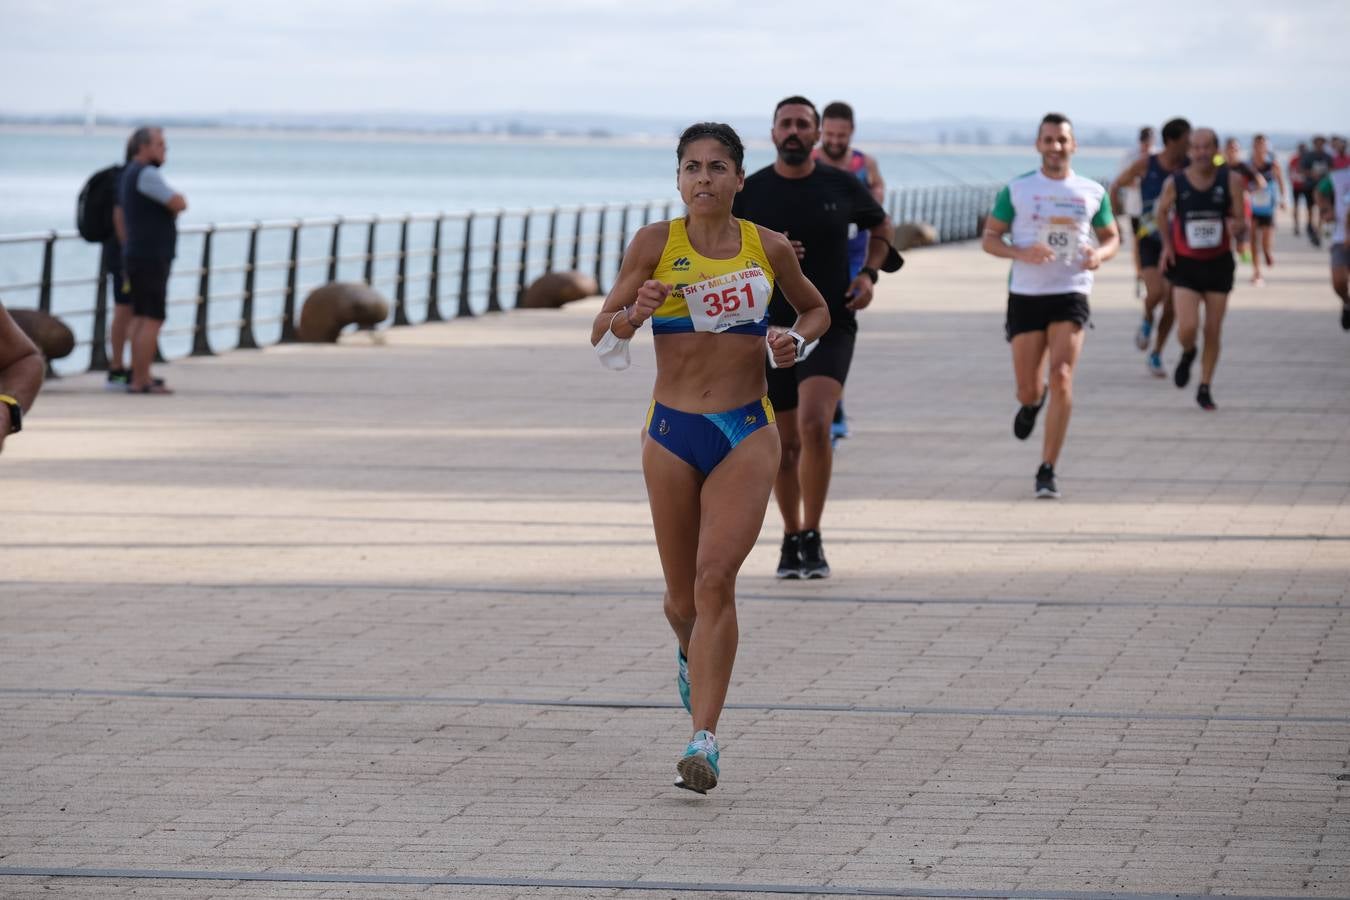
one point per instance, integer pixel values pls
(713, 295)
(705, 439)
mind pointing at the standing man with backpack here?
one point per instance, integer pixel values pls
(148, 210)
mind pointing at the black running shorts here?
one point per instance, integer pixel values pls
(1205, 276)
(832, 358)
(1035, 312)
(1263, 221)
(149, 283)
(1150, 252)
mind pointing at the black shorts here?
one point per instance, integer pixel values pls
(832, 358)
(148, 280)
(1150, 252)
(1263, 221)
(112, 264)
(1206, 276)
(1035, 312)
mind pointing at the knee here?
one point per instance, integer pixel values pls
(791, 453)
(714, 587)
(679, 608)
(815, 432)
(1061, 379)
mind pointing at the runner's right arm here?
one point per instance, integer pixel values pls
(634, 296)
(1128, 176)
(1162, 211)
(998, 223)
(21, 369)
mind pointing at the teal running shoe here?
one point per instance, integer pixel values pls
(682, 679)
(698, 767)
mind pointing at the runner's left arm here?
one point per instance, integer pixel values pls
(1108, 236)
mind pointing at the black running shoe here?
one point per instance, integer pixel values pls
(790, 559)
(1183, 373)
(1314, 236)
(118, 380)
(1046, 489)
(1025, 420)
(1345, 316)
(1204, 399)
(813, 556)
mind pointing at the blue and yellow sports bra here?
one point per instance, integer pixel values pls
(714, 295)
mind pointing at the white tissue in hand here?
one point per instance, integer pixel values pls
(613, 352)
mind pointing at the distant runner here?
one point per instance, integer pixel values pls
(1151, 173)
(836, 133)
(1199, 213)
(1051, 217)
(1132, 201)
(1264, 201)
(1333, 194)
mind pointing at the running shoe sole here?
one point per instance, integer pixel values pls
(816, 574)
(696, 774)
(789, 574)
(1046, 493)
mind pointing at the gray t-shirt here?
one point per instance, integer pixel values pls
(151, 183)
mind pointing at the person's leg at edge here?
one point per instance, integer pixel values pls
(1157, 293)
(1340, 283)
(733, 502)
(1065, 341)
(817, 397)
(787, 488)
(1029, 351)
(673, 488)
(1215, 306)
(1256, 249)
(1268, 243)
(144, 339)
(1187, 305)
(118, 332)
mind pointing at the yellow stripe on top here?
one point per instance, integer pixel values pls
(681, 266)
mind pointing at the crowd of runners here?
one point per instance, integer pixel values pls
(753, 298)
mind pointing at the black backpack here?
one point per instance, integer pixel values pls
(94, 213)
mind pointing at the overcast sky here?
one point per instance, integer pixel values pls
(1248, 64)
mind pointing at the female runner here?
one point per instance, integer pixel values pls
(708, 455)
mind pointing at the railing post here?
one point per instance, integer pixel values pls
(600, 250)
(647, 214)
(201, 344)
(45, 290)
(465, 263)
(522, 274)
(494, 301)
(368, 276)
(665, 211)
(576, 239)
(400, 290)
(246, 338)
(622, 244)
(288, 333)
(434, 280)
(98, 344)
(333, 249)
(552, 238)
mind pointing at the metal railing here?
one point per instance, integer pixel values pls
(438, 266)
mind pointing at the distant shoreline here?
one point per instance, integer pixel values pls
(569, 140)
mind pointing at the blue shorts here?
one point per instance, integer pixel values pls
(704, 439)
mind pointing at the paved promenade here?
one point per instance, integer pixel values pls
(372, 621)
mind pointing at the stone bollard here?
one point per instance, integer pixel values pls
(553, 289)
(915, 234)
(332, 307)
(51, 335)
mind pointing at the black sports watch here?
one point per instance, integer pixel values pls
(870, 273)
(15, 413)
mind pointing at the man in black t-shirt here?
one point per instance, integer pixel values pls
(813, 205)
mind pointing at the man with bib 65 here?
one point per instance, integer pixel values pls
(1051, 216)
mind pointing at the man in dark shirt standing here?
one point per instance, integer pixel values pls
(149, 210)
(813, 205)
